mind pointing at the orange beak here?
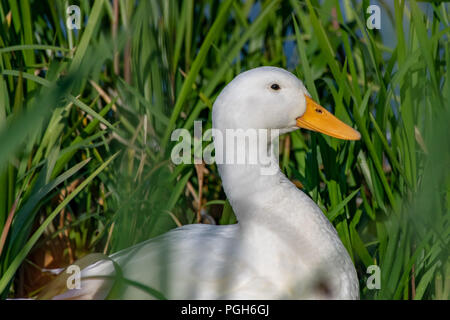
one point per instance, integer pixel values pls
(317, 118)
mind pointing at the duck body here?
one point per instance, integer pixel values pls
(231, 266)
(283, 246)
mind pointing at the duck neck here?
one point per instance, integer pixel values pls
(258, 192)
(271, 210)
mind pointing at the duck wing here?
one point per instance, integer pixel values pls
(196, 261)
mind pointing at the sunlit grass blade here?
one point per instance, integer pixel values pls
(9, 273)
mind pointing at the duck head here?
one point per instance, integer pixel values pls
(273, 98)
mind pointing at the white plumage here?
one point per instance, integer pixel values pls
(283, 247)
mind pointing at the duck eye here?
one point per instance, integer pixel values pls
(275, 86)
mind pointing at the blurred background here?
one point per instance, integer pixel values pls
(86, 117)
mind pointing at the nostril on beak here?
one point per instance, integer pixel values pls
(318, 111)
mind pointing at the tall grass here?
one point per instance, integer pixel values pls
(69, 100)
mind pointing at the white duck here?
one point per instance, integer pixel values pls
(283, 246)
